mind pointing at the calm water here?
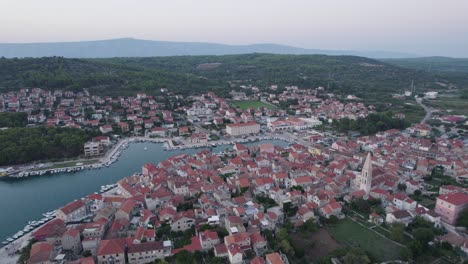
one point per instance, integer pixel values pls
(23, 200)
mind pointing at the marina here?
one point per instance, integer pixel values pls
(29, 197)
(115, 153)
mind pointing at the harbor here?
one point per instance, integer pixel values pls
(114, 153)
(27, 198)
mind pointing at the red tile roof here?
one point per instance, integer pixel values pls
(71, 207)
(111, 246)
(55, 227)
(454, 198)
(40, 252)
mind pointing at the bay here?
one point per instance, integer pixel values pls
(25, 199)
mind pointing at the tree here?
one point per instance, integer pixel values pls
(423, 235)
(463, 219)
(361, 205)
(184, 257)
(286, 247)
(402, 187)
(356, 256)
(397, 232)
(415, 247)
(332, 220)
(406, 254)
(310, 225)
(282, 234)
(417, 192)
(298, 188)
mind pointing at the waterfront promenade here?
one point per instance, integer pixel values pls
(30, 197)
(112, 154)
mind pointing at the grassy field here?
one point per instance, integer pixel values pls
(454, 105)
(316, 245)
(414, 113)
(350, 233)
(246, 104)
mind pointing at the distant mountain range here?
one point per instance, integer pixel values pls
(129, 47)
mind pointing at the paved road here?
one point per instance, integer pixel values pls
(426, 108)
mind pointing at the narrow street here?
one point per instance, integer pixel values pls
(426, 108)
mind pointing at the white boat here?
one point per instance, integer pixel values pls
(10, 239)
(5, 242)
(145, 148)
(20, 233)
(15, 237)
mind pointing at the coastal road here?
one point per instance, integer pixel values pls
(426, 108)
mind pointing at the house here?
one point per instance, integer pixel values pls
(183, 221)
(124, 127)
(146, 252)
(93, 148)
(105, 129)
(220, 250)
(303, 181)
(144, 235)
(88, 260)
(111, 251)
(95, 229)
(240, 239)
(208, 239)
(71, 241)
(274, 258)
(234, 254)
(234, 224)
(41, 253)
(157, 132)
(305, 213)
(51, 231)
(241, 129)
(449, 206)
(126, 210)
(73, 211)
(259, 244)
(333, 208)
(399, 216)
(376, 218)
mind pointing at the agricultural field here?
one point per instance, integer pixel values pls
(316, 245)
(246, 104)
(453, 105)
(347, 232)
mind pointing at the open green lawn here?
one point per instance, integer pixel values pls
(413, 112)
(246, 104)
(457, 105)
(347, 232)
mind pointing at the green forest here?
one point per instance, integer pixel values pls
(372, 124)
(21, 145)
(187, 75)
(13, 119)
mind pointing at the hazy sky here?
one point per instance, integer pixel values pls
(425, 27)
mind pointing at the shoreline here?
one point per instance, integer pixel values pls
(113, 154)
(8, 252)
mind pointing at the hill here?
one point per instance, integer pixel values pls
(432, 64)
(363, 77)
(129, 47)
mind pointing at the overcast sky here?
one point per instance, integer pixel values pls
(424, 27)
